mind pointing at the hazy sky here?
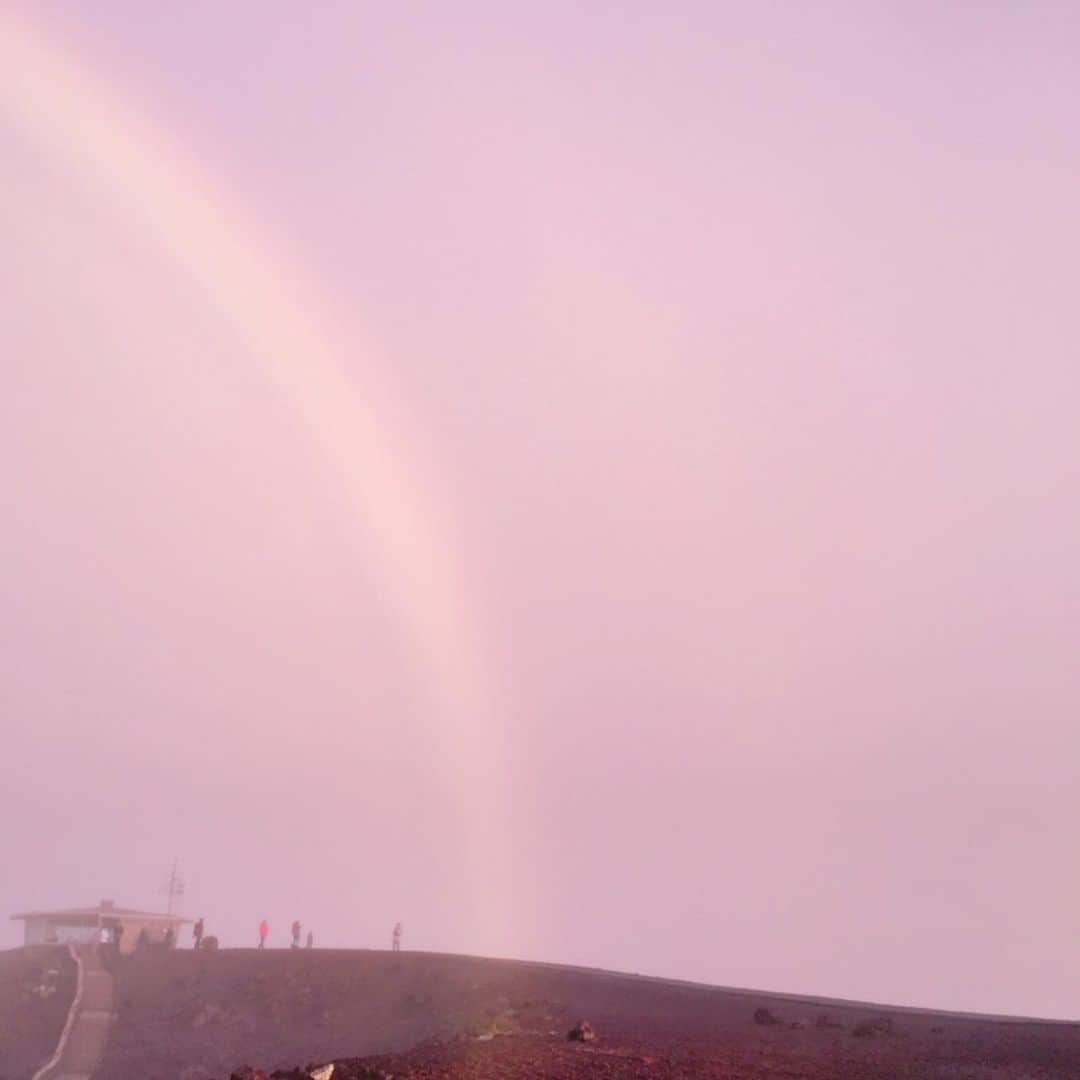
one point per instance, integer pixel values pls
(739, 344)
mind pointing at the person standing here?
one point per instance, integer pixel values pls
(197, 932)
(296, 934)
(396, 947)
(264, 933)
(310, 944)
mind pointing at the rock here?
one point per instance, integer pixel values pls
(869, 1029)
(506, 1023)
(764, 1017)
(206, 1015)
(825, 1021)
(582, 1031)
(210, 944)
(323, 1072)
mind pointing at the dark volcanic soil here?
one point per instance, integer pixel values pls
(532, 1055)
(33, 1007)
(189, 1016)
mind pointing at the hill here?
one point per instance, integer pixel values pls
(196, 1016)
(36, 988)
(191, 1016)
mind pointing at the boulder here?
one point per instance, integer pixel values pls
(869, 1029)
(582, 1031)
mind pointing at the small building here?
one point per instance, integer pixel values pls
(86, 924)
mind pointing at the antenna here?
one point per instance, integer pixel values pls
(173, 888)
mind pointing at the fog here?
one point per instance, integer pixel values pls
(729, 355)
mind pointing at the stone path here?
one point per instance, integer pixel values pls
(82, 1043)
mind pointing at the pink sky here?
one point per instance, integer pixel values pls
(740, 343)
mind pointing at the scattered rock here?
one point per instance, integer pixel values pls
(496, 1024)
(764, 1017)
(206, 1015)
(323, 1072)
(824, 1021)
(582, 1031)
(869, 1029)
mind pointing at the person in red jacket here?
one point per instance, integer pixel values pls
(264, 931)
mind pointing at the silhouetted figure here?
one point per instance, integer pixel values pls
(197, 932)
(264, 933)
(117, 934)
(310, 943)
(296, 934)
(396, 947)
(143, 939)
(170, 938)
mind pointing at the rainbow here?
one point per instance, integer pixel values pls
(73, 115)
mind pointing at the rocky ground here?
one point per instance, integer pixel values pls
(189, 1016)
(36, 989)
(536, 1056)
(373, 1015)
(877, 1048)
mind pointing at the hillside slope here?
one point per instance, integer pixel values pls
(36, 989)
(188, 1016)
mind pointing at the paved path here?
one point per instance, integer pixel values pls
(82, 1043)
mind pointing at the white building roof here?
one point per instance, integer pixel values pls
(104, 910)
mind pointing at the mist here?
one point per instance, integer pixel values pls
(730, 351)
